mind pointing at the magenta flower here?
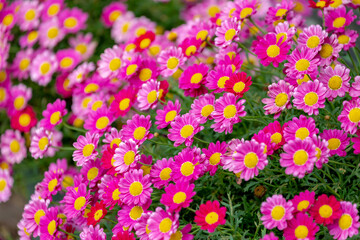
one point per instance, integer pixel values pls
(336, 81)
(301, 226)
(337, 141)
(137, 129)
(162, 224)
(86, 148)
(301, 128)
(310, 96)
(161, 172)
(168, 114)
(178, 196)
(126, 156)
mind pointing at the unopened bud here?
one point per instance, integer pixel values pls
(327, 117)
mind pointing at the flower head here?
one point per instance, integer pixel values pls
(210, 215)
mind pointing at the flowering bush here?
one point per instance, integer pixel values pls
(240, 122)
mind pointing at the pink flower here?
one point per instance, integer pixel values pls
(183, 129)
(99, 121)
(34, 211)
(53, 114)
(126, 156)
(41, 140)
(312, 37)
(214, 154)
(355, 87)
(170, 60)
(302, 61)
(336, 80)
(338, 18)
(329, 50)
(75, 201)
(43, 67)
(130, 215)
(193, 76)
(203, 107)
(137, 129)
(112, 12)
(73, 20)
(162, 224)
(148, 95)
(49, 224)
(91, 232)
(322, 151)
(303, 201)
(161, 172)
(50, 33)
(168, 114)
(12, 146)
(310, 96)
(301, 128)
(6, 183)
(227, 32)
(337, 140)
(276, 212)
(217, 78)
(68, 59)
(186, 166)
(350, 116)
(86, 148)
(110, 62)
(301, 227)
(178, 196)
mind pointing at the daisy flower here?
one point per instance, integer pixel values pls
(279, 12)
(249, 158)
(348, 223)
(34, 211)
(147, 70)
(73, 20)
(303, 201)
(213, 155)
(68, 59)
(276, 212)
(183, 234)
(312, 37)
(337, 141)
(29, 39)
(53, 114)
(23, 120)
(322, 151)
(326, 210)
(302, 61)
(41, 140)
(329, 50)
(99, 121)
(148, 95)
(338, 19)
(178, 196)
(161, 172)
(217, 78)
(137, 129)
(120, 29)
(203, 107)
(210, 215)
(12, 146)
(301, 128)
(22, 231)
(227, 113)
(109, 191)
(270, 50)
(170, 60)
(186, 166)
(270, 236)
(238, 84)
(28, 16)
(21, 64)
(112, 139)
(284, 30)
(190, 46)
(350, 116)
(129, 216)
(144, 41)
(310, 96)
(321, 4)
(20, 95)
(299, 157)
(49, 224)
(245, 9)
(43, 67)
(135, 188)
(194, 76)
(8, 18)
(162, 224)
(75, 200)
(83, 44)
(279, 98)
(277, 134)
(91, 232)
(183, 129)
(6, 183)
(92, 172)
(336, 80)
(301, 227)
(262, 137)
(110, 61)
(167, 115)
(50, 33)
(112, 12)
(86, 148)
(355, 88)
(348, 38)
(51, 9)
(96, 213)
(227, 32)
(126, 156)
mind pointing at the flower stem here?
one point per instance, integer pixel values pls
(200, 140)
(67, 233)
(253, 22)
(73, 128)
(64, 148)
(149, 165)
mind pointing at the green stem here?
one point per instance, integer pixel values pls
(73, 128)
(200, 140)
(64, 148)
(340, 163)
(159, 143)
(246, 49)
(257, 179)
(67, 233)
(191, 209)
(253, 22)
(353, 62)
(149, 165)
(110, 220)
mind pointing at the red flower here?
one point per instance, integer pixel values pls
(23, 120)
(96, 213)
(238, 84)
(107, 159)
(320, 4)
(144, 41)
(123, 235)
(210, 215)
(190, 46)
(326, 210)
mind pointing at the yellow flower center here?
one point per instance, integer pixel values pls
(339, 22)
(154, 50)
(52, 184)
(30, 15)
(135, 212)
(139, 133)
(51, 227)
(38, 215)
(152, 96)
(19, 102)
(81, 48)
(229, 35)
(302, 133)
(170, 116)
(334, 143)
(129, 157)
(343, 39)
(303, 205)
(190, 50)
(301, 232)
(187, 168)
(276, 138)
(279, 35)
(302, 65)
(300, 157)
(96, 105)
(24, 64)
(251, 160)
(2, 185)
(114, 15)
(116, 195)
(325, 211)
(311, 98)
(165, 225)
(8, 20)
(179, 197)
(172, 63)
(221, 81)
(88, 149)
(207, 110)
(67, 182)
(79, 203)
(43, 143)
(55, 117)
(145, 74)
(136, 188)
(326, 50)
(145, 43)
(278, 212)
(230, 111)
(15, 146)
(202, 35)
(186, 131)
(98, 214)
(345, 221)
(32, 36)
(102, 123)
(124, 104)
(53, 32)
(176, 236)
(45, 68)
(66, 62)
(246, 12)
(215, 158)
(115, 64)
(53, 9)
(238, 87)
(335, 82)
(24, 119)
(70, 22)
(196, 78)
(213, 10)
(281, 12)
(354, 115)
(212, 218)
(273, 51)
(281, 99)
(92, 173)
(165, 174)
(313, 42)
(318, 153)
